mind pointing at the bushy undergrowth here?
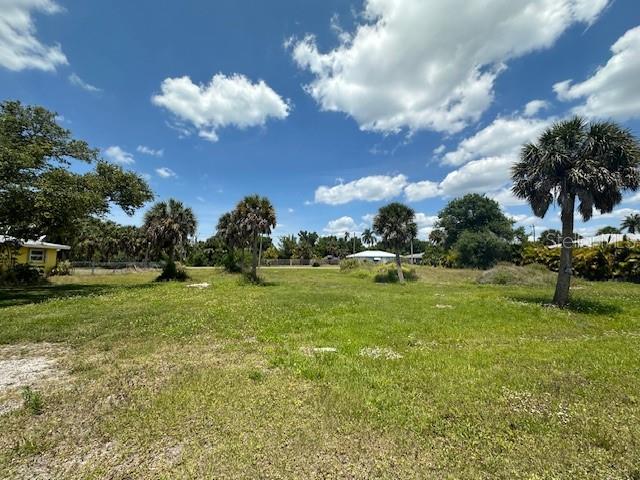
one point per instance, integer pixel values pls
(62, 268)
(350, 264)
(173, 271)
(20, 274)
(603, 262)
(388, 273)
(509, 274)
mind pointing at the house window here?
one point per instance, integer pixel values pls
(36, 256)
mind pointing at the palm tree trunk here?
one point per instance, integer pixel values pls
(561, 297)
(399, 267)
(254, 258)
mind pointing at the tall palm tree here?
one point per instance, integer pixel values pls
(575, 159)
(632, 223)
(256, 217)
(395, 224)
(368, 237)
(169, 225)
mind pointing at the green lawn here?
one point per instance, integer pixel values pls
(443, 378)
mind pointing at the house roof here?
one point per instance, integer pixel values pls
(372, 254)
(35, 243)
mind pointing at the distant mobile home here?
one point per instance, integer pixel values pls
(375, 256)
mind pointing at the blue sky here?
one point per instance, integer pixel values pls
(330, 108)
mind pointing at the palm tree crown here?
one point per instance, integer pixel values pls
(169, 225)
(368, 237)
(576, 160)
(395, 224)
(632, 223)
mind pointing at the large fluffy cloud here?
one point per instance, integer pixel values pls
(118, 155)
(343, 225)
(19, 47)
(407, 65)
(373, 188)
(612, 91)
(225, 101)
(504, 136)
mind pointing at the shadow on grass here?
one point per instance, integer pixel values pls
(578, 305)
(12, 296)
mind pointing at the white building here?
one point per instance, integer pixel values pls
(375, 256)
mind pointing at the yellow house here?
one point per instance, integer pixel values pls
(37, 253)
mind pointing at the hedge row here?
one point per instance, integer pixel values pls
(619, 261)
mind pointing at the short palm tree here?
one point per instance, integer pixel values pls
(437, 237)
(576, 160)
(168, 226)
(396, 227)
(608, 230)
(632, 223)
(255, 217)
(368, 237)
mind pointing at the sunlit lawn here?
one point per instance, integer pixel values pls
(439, 378)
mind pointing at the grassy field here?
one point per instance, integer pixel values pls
(442, 378)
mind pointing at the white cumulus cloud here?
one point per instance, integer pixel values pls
(20, 49)
(612, 91)
(534, 107)
(165, 172)
(150, 151)
(408, 66)
(421, 190)
(118, 155)
(370, 189)
(226, 101)
(342, 225)
(79, 82)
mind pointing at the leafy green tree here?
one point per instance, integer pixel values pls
(550, 237)
(39, 194)
(169, 226)
(473, 212)
(437, 237)
(632, 223)
(395, 224)
(288, 246)
(576, 160)
(480, 249)
(368, 237)
(255, 216)
(306, 244)
(608, 230)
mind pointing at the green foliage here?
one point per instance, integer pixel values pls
(41, 195)
(349, 264)
(619, 261)
(480, 249)
(20, 274)
(608, 230)
(169, 226)
(173, 271)
(550, 237)
(396, 226)
(32, 401)
(631, 223)
(437, 256)
(388, 273)
(472, 213)
(62, 268)
(509, 274)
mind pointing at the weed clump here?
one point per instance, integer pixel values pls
(508, 274)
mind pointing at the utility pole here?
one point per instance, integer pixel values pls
(533, 227)
(411, 251)
(354, 242)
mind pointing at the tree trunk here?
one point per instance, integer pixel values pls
(254, 258)
(399, 267)
(561, 297)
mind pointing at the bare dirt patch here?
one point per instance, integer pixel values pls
(24, 365)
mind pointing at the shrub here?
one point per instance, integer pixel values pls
(509, 274)
(62, 268)
(388, 273)
(20, 274)
(349, 264)
(173, 271)
(32, 401)
(480, 249)
(619, 261)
